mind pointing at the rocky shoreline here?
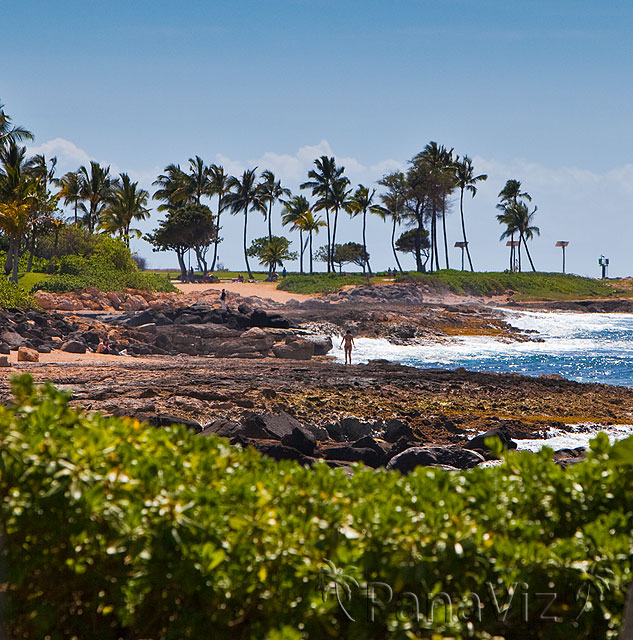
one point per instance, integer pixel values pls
(259, 375)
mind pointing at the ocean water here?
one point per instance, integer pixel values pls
(596, 347)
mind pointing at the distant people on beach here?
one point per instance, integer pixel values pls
(348, 344)
(284, 273)
(223, 300)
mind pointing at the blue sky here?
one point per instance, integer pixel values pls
(537, 91)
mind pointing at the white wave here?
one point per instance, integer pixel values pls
(571, 439)
(583, 347)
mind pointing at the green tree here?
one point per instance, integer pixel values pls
(320, 182)
(270, 192)
(410, 242)
(95, 187)
(510, 194)
(174, 188)
(392, 205)
(466, 180)
(348, 253)
(188, 227)
(70, 190)
(420, 186)
(244, 196)
(271, 252)
(127, 203)
(440, 161)
(296, 209)
(11, 135)
(311, 225)
(219, 183)
(359, 204)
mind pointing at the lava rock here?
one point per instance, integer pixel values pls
(427, 456)
(478, 443)
(396, 429)
(73, 346)
(276, 425)
(294, 349)
(353, 428)
(348, 453)
(300, 439)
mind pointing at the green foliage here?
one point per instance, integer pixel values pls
(108, 267)
(13, 296)
(114, 529)
(320, 282)
(542, 286)
(271, 252)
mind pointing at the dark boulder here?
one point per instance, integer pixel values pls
(278, 451)
(322, 344)
(165, 419)
(300, 439)
(188, 318)
(353, 428)
(348, 453)
(275, 425)
(294, 349)
(138, 319)
(73, 346)
(396, 429)
(367, 442)
(478, 443)
(427, 456)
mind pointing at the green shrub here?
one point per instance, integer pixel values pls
(320, 282)
(109, 267)
(113, 529)
(555, 286)
(12, 296)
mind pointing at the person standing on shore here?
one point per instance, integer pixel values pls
(223, 300)
(348, 341)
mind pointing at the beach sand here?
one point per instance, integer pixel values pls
(260, 289)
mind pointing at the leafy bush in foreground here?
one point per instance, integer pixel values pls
(113, 529)
(109, 267)
(12, 296)
(555, 286)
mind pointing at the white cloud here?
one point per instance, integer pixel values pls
(68, 153)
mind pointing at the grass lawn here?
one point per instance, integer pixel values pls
(27, 280)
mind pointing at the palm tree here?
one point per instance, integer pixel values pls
(393, 205)
(174, 188)
(199, 180)
(518, 219)
(15, 217)
(320, 182)
(339, 201)
(274, 252)
(244, 195)
(466, 179)
(510, 193)
(296, 210)
(311, 225)
(126, 203)
(11, 135)
(219, 187)
(361, 202)
(441, 161)
(70, 190)
(95, 188)
(271, 191)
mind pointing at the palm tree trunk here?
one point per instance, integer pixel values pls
(29, 265)
(76, 212)
(270, 221)
(512, 252)
(444, 231)
(181, 263)
(334, 235)
(393, 243)
(461, 210)
(330, 266)
(301, 249)
(311, 253)
(365, 242)
(248, 267)
(16, 255)
(217, 236)
(528, 253)
(519, 250)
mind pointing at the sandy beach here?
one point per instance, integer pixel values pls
(245, 289)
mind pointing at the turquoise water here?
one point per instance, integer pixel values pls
(595, 347)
